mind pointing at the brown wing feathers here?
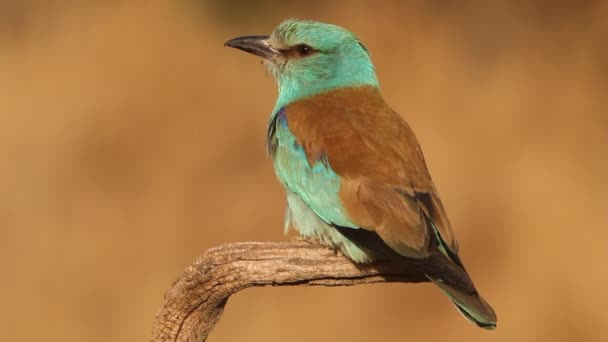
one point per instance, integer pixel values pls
(385, 185)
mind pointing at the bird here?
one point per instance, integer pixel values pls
(353, 171)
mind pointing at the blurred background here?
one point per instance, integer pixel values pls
(131, 141)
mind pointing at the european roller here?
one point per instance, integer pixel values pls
(353, 171)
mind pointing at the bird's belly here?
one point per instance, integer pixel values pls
(300, 217)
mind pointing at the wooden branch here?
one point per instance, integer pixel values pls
(195, 301)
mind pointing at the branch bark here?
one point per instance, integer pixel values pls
(196, 300)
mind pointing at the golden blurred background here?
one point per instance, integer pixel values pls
(131, 140)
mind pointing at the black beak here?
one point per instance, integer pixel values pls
(257, 45)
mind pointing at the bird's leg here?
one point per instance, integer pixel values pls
(336, 249)
(300, 238)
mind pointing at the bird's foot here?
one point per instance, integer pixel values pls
(300, 238)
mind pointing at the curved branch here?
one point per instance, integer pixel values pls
(195, 301)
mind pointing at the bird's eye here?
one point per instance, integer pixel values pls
(304, 50)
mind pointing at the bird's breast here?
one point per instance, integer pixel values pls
(318, 185)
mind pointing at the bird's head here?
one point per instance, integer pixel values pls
(308, 57)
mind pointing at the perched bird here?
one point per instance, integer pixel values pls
(354, 173)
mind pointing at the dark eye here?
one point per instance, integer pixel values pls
(304, 50)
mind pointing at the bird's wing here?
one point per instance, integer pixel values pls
(357, 164)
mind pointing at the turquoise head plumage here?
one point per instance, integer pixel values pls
(309, 57)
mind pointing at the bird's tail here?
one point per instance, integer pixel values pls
(472, 306)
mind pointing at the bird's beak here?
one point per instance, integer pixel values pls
(257, 45)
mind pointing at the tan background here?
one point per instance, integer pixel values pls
(131, 141)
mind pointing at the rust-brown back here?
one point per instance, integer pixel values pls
(385, 184)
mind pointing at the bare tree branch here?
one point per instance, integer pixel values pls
(195, 301)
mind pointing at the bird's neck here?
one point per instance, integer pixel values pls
(291, 90)
(350, 99)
